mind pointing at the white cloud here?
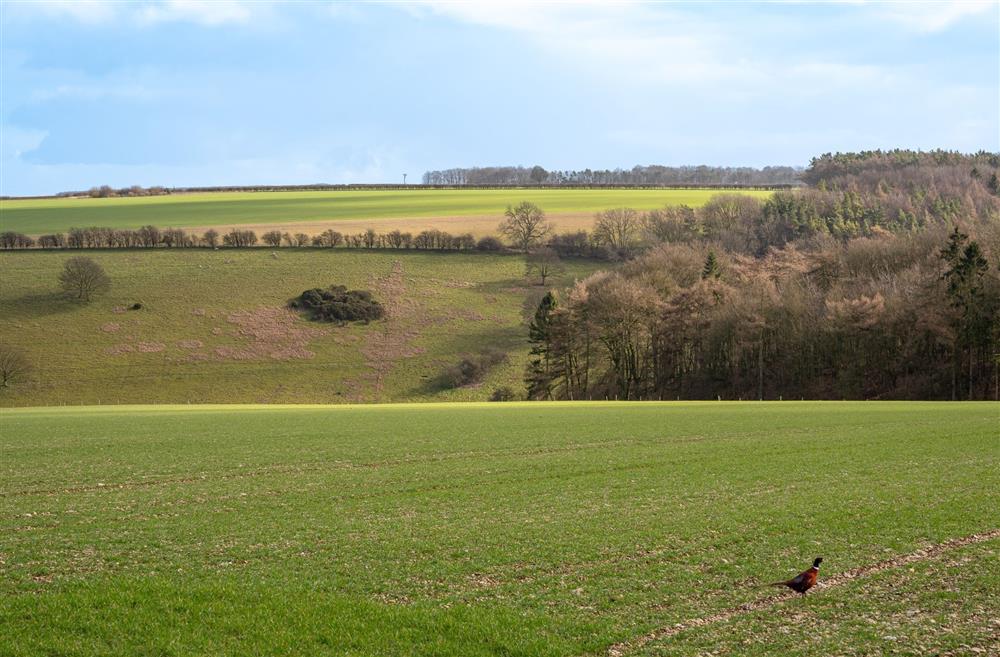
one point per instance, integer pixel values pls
(16, 142)
(927, 17)
(202, 12)
(626, 39)
(84, 11)
(644, 44)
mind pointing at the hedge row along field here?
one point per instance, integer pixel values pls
(330, 209)
(515, 529)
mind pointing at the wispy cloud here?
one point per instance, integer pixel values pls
(624, 39)
(927, 17)
(201, 12)
(215, 12)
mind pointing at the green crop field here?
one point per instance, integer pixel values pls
(500, 529)
(223, 209)
(214, 326)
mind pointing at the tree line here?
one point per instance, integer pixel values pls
(149, 237)
(653, 175)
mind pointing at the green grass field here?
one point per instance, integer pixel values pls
(496, 529)
(214, 328)
(36, 216)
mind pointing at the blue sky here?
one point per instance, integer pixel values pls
(228, 93)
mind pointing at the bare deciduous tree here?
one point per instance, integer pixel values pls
(211, 238)
(14, 365)
(525, 225)
(82, 278)
(618, 228)
(543, 263)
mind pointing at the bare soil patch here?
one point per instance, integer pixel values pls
(391, 341)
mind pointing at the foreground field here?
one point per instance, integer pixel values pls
(214, 326)
(477, 211)
(504, 529)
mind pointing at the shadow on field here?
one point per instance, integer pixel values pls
(471, 346)
(506, 285)
(33, 306)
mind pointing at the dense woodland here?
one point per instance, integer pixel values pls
(881, 281)
(638, 175)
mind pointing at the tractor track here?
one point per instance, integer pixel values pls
(929, 552)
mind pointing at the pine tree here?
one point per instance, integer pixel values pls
(539, 375)
(967, 268)
(711, 268)
(994, 184)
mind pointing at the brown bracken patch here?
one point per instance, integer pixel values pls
(390, 342)
(269, 332)
(111, 327)
(149, 347)
(190, 344)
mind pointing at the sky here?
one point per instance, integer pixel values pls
(186, 93)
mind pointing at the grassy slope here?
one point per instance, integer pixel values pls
(198, 304)
(229, 209)
(544, 529)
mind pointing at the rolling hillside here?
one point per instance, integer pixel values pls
(214, 326)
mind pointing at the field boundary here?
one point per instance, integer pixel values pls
(929, 552)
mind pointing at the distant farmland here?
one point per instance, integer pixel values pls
(525, 530)
(476, 211)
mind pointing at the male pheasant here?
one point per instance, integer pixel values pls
(804, 580)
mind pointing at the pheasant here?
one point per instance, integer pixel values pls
(804, 580)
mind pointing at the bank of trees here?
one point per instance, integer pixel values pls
(638, 175)
(880, 281)
(913, 316)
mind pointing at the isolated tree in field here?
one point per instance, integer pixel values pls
(543, 263)
(14, 365)
(524, 225)
(617, 228)
(83, 279)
